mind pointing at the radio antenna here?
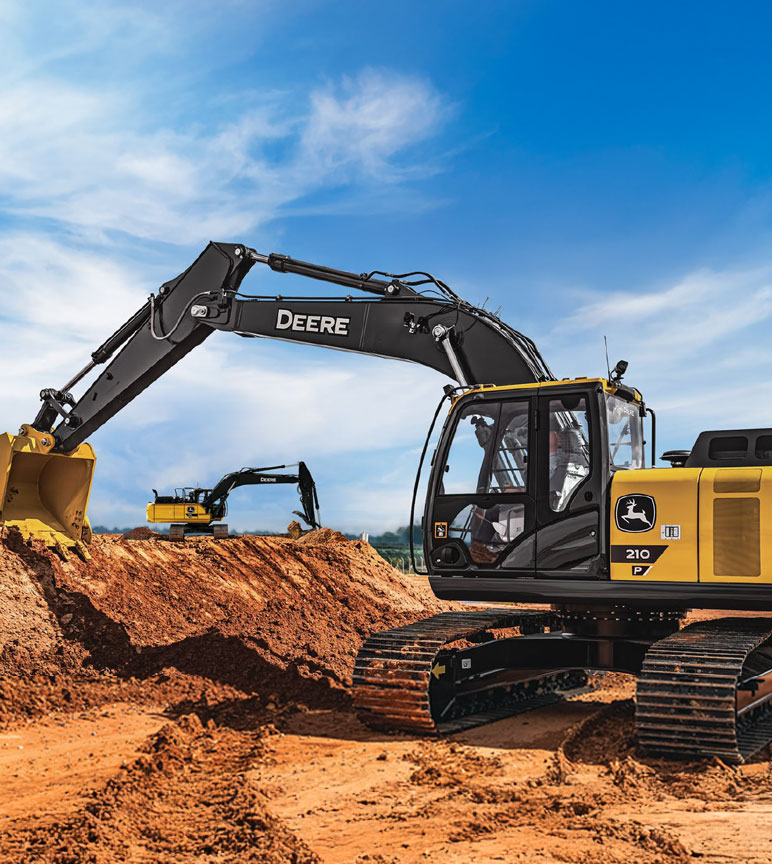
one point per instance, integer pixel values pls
(608, 365)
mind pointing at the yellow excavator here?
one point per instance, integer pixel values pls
(201, 511)
(538, 492)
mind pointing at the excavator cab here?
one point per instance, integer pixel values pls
(521, 476)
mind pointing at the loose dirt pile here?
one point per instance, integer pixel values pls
(257, 613)
(225, 637)
(186, 797)
(141, 533)
(164, 702)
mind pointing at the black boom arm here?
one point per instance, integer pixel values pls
(214, 501)
(431, 326)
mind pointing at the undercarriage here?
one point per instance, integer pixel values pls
(703, 690)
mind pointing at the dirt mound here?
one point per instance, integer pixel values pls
(325, 536)
(29, 631)
(262, 614)
(449, 764)
(188, 793)
(559, 808)
(608, 738)
(140, 533)
(38, 695)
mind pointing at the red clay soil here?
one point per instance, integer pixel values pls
(256, 613)
(239, 632)
(187, 797)
(141, 533)
(163, 703)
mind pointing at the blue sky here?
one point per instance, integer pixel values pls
(594, 169)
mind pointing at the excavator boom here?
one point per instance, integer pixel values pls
(46, 472)
(436, 329)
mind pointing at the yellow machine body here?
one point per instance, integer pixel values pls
(188, 513)
(44, 494)
(710, 525)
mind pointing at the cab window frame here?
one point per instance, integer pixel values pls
(444, 456)
(446, 506)
(594, 480)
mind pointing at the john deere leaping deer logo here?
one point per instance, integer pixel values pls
(636, 513)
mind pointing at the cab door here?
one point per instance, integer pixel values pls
(483, 511)
(569, 493)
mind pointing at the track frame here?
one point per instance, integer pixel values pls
(703, 690)
(457, 670)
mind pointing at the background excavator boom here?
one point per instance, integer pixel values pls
(215, 499)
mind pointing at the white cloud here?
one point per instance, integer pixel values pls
(688, 345)
(72, 154)
(676, 322)
(366, 121)
(104, 167)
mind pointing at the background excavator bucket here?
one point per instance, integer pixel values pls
(45, 494)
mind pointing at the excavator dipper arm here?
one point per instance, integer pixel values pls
(153, 340)
(309, 500)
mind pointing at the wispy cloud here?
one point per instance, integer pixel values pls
(107, 188)
(687, 343)
(677, 321)
(364, 122)
(77, 155)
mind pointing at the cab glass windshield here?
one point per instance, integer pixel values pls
(625, 433)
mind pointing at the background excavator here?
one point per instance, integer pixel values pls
(537, 492)
(196, 510)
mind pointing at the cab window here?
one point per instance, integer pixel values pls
(488, 530)
(625, 433)
(569, 448)
(489, 452)
(488, 458)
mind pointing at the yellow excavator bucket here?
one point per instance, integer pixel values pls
(45, 494)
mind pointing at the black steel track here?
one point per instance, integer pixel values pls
(686, 702)
(398, 684)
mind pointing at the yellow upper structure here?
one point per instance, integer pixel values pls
(709, 525)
